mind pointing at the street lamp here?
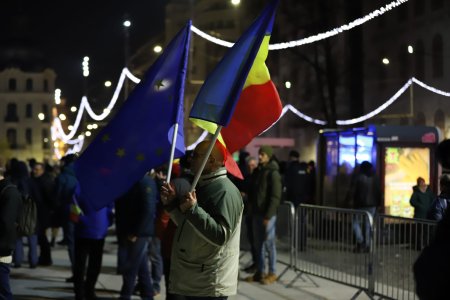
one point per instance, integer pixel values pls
(157, 49)
(126, 26)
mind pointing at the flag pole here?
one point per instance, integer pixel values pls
(205, 158)
(172, 152)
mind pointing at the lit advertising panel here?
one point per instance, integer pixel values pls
(402, 167)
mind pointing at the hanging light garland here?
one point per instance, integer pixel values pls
(314, 38)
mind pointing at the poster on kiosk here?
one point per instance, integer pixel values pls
(399, 154)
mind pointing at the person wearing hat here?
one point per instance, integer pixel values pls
(264, 196)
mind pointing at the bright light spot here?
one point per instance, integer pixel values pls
(81, 136)
(410, 49)
(56, 144)
(107, 110)
(94, 126)
(127, 23)
(62, 117)
(385, 61)
(70, 127)
(73, 109)
(89, 126)
(157, 49)
(46, 140)
(86, 58)
(87, 133)
(235, 2)
(86, 73)
(57, 96)
(288, 84)
(41, 116)
(108, 83)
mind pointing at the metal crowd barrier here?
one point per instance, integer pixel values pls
(398, 242)
(324, 245)
(285, 236)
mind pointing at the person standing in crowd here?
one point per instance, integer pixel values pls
(20, 176)
(135, 219)
(10, 208)
(297, 180)
(421, 199)
(90, 233)
(65, 185)
(205, 253)
(441, 203)
(366, 197)
(250, 165)
(265, 196)
(43, 186)
(165, 226)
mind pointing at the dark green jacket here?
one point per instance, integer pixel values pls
(265, 190)
(421, 202)
(205, 252)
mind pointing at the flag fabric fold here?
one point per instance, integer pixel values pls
(139, 137)
(239, 94)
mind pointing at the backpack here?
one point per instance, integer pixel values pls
(27, 220)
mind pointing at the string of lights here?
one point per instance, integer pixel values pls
(58, 131)
(313, 38)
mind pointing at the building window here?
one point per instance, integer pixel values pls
(29, 110)
(438, 57)
(11, 135)
(12, 84)
(29, 136)
(45, 85)
(45, 112)
(11, 113)
(45, 139)
(29, 85)
(420, 119)
(437, 4)
(419, 7)
(419, 58)
(404, 69)
(439, 120)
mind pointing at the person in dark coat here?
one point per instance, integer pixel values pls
(421, 199)
(135, 220)
(90, 233)
(65, 185)
(10, 207)
(441, 203)
(43, 185)
(366, 197)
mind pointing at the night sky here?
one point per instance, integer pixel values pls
(63, 32)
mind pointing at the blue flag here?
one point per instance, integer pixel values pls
(139, 137)
(219, 94)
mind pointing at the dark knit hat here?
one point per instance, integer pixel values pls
(267, 150)
(294, 153)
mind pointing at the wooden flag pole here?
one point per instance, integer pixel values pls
(205, 158)
(172, 152)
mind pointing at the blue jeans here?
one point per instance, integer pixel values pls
(5, 289)
(360, 239)
(32, 251)
(157, 262)
(136, 264)
(264, 239)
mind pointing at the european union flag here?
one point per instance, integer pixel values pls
(139, 137)
(219, 94)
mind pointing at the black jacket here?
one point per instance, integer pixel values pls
(10, 207)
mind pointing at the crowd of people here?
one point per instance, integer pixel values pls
(173, 229)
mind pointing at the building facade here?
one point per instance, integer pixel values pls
(23, 97)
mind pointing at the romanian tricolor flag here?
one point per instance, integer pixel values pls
(239, 94)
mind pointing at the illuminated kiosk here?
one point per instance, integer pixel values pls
(399, 155)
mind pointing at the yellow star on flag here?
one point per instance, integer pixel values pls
(105, 138)
(159, 84)
(159, 151)
(120, 152)
(140, 157)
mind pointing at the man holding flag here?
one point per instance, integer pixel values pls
(205, 254)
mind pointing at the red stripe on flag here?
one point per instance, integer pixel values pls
(259, 106)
